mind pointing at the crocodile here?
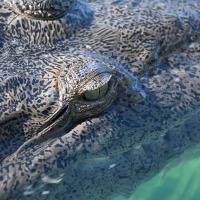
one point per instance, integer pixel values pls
(162, 45)
(112, 153)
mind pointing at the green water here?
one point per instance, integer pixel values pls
(180, 180)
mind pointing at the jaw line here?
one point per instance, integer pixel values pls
(50, 131)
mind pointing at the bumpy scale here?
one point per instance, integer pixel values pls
(141, 35)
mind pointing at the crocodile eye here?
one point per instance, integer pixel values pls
(96, 94)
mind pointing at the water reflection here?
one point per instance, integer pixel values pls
(179, 180)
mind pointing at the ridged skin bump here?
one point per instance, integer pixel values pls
(42, 23)
(45, 9)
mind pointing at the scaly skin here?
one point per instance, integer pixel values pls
(45, 9)
(137, 138)
(52, 92)
(150, 32)
(35, 29)
(133, 36)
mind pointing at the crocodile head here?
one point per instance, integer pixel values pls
(123, 146)
(137, 139)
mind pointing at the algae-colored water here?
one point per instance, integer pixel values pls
(179, 180)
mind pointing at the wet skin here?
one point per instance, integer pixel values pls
(137, 137)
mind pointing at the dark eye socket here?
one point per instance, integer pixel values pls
(96, 94)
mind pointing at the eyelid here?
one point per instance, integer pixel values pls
(97, 93)
(96, 82)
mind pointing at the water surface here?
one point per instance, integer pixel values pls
(179, 180)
